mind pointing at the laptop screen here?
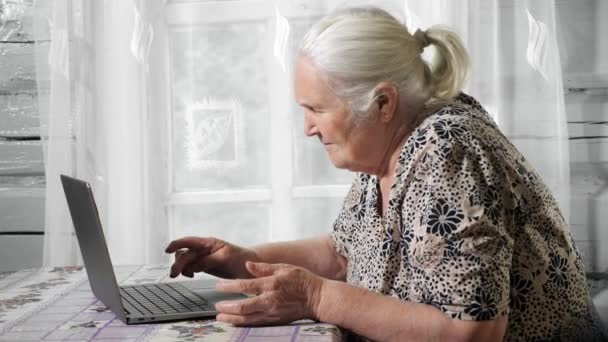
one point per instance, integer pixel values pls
(92, 243)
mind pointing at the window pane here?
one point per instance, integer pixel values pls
(316, 215)
(243, 224)
(220, 106)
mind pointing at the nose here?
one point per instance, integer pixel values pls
(310, 128)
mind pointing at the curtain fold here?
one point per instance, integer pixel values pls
(182, 118)
(58, 138)
(95, 118)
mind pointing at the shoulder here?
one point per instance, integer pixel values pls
(458, 146)
(458, 140)
(463, 125)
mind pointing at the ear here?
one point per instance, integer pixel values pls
(387, 98)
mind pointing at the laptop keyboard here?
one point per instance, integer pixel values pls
(163, 298)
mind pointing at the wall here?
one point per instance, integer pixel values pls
(582, 32)
(21, 167)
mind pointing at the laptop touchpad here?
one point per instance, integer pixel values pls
(206, 289)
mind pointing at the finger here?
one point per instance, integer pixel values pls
(245, 286)
(193, 242)
(255, 319)
(262, 269)
(189, 270)
(179, 253)
(242, 307)
(186, 259)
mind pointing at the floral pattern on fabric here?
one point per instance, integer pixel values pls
(320, 329)
(195, 330)
(89, 324)
(17, 301)
(35, 291)
(475, 232)
(56, 304)
(213, 331)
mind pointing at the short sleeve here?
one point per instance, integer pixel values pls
(349, 217)
(460, 251)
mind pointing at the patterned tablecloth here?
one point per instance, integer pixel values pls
(57, 304)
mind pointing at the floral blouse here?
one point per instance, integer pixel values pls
(470, 229)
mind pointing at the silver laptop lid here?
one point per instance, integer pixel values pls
(92, 243)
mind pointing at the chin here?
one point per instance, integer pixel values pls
(340, 160)
(346, 165)
(340, 166)
(340, 163)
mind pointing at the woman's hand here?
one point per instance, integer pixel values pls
(283, 294)
(209, 255)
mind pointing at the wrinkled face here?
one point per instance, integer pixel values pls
(327, 117)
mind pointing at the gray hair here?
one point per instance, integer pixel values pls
(356, 48)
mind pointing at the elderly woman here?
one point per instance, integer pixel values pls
(447, 232)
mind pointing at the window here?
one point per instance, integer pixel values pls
(239, 166)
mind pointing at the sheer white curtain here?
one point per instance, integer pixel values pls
(182, 117)
(96, 118)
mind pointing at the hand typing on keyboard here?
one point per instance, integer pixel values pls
(209, 255)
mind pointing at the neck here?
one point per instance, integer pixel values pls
(391, 155)
(394, 147)
(397, 141)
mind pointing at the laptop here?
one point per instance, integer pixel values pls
(133, 304)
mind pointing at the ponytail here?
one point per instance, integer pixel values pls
(450, 67)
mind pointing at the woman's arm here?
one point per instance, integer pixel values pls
(317, 255)
(385, 318)
(225, 260)
(285, 293)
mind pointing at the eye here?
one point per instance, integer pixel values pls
(310, 109)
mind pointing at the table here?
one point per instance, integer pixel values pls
(52, 304)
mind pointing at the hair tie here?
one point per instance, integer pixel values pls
(421, 37)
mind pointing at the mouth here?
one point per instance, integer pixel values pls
(323, 142)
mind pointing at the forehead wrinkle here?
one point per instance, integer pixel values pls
(315, 91)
